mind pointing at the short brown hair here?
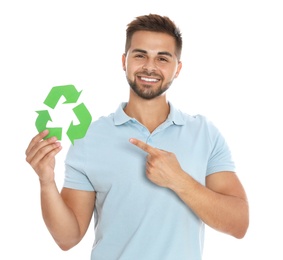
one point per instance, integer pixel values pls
(154, 23)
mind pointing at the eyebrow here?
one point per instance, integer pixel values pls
(166, 53)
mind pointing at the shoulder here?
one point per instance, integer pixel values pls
(198, 120)
(181, 117)
(99, 126)
(198, 125)
(102, 123)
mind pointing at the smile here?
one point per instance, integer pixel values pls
(149, 79)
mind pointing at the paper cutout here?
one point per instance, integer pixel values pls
(70, 93)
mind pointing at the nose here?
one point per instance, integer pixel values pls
(149, 66)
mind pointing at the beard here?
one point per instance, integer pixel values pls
(146, 91)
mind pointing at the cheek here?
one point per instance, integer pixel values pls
(169, 75)
(131, 70)
(130, 74)
(174, 73)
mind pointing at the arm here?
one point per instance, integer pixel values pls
(67, 214)
(221, 204)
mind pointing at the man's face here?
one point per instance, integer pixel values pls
(151, 64)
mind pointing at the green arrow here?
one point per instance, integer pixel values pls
(41, 122)
(84, 117)
(68, 91)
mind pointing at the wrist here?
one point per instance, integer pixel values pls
(180, 182)
(47, 184)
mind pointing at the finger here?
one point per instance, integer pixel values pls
(142, 145)
(36, 139)
(46, 153)
(38, 143)
(45, 150)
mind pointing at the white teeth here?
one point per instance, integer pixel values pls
(149, 80)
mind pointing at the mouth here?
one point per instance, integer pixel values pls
(148, 80)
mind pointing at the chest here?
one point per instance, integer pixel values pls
(112, 161)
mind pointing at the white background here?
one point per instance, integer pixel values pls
(232, 73)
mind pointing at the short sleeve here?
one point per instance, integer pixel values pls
(220, 158)
(75, 176)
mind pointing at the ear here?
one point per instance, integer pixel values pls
(124, 61)
(178, 69)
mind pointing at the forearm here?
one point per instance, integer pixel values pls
(59, 219)
(225, 213)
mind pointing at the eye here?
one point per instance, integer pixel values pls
(163, 59)
(139, 56)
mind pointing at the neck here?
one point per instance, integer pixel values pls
(150, 113)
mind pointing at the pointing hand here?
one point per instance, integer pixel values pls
(162, 167)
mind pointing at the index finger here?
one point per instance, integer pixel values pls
(36, 139)
(142, 145)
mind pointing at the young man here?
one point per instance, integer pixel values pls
(151, 174)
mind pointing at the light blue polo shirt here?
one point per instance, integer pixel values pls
(134, 218)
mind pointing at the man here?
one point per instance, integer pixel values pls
(151, 175)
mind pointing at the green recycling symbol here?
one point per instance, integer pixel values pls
(71, 95)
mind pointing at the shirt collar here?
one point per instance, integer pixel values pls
(175, 116)
(120, 117)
